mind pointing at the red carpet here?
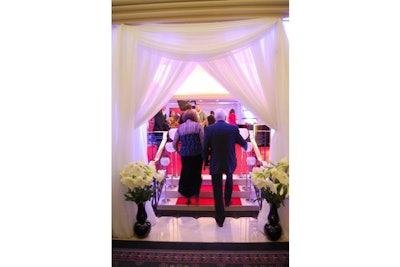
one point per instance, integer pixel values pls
(209, 188)
(208, 201)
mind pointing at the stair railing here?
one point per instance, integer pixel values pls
(259, 159)
(156, 160)
(256, 149)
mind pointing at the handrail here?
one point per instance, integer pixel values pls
(157, 157)
(251, 137)
(256, 149)
(161, 147)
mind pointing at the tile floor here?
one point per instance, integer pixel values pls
(205, 229)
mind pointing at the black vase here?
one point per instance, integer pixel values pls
(272, 229)
(142, 226)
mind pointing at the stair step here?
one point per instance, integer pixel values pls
(237, 179)
(171, 203)
(168, 207)
(206, 213)
(243, 191)
(246, 190)
(207, 192)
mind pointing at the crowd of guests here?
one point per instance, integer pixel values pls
(207, 141)
(164, 123)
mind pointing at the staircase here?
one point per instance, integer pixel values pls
(168, 201)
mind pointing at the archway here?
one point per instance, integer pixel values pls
(250, 57)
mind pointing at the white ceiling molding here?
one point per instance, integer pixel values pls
(181, 11)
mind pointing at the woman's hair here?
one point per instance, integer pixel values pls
(189, 115)
(188, 106)
(232, 111)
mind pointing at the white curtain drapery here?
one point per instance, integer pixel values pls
(150, 62)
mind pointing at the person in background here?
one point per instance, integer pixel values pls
(211, 118)
(188, 142)
(210, 121)
(178, 118)
(232, 119)
(173, 119)
(188, 106)
(160, 124)
(219, 143)
(201, 115)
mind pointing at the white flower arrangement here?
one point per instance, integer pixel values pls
(273, 182)
(139, 178)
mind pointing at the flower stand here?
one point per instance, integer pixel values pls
(142, 226)
(272, 229)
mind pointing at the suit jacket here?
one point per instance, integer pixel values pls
(219, 142)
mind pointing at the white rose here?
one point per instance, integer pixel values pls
(128, 181)
(139, 182)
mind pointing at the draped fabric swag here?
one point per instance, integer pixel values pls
(150, 62)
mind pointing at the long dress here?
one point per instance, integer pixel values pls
(232, 118)
(190, 135)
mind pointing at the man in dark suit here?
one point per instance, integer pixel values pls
(219, 142)
(160, 124)
(160, 120)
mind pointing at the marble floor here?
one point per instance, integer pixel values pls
(205, 229)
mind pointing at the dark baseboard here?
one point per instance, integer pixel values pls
(118, 244)
(197, 214)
